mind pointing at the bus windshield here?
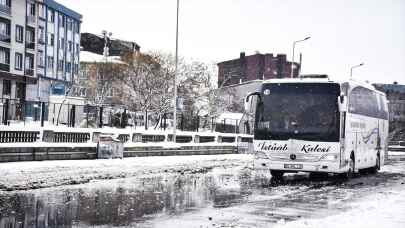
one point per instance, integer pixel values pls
(304, 111)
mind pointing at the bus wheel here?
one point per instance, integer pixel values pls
(349, 174)
(277, 174)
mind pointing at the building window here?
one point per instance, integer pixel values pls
(5, 3)
(61, 21)
(76, 68)
(77, 27)
(30, 35)
(29, 64)
(69, 24)
(50, 62)
(51, 39)
(31, 9)
(68, 67)
(77, 48)
(4, 59)
(6, 87)
(4, 30)
(18, 61)
(41, 34)
(70, 45)
(5, 6)
(19, 33)
(4, 56)
(42, 11)
(62, 43)
(41, 59)
(60, 65)
(51, 16)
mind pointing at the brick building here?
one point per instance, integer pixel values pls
(253, 67)
(93, 66)
(396, 97)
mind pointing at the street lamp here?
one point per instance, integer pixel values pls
(175, 76)
(107, 36)
(351, 69)
(293, 53)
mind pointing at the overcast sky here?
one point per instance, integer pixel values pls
(344, 32)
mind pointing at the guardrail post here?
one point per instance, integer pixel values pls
(53, 115)
(42, 113)
(198, 123)
(101, 118)
(5, 112)
(73, 116)
(124, 119)
(212, 124)
(164, 121)
(182, 122)
(87, 115)
(146, 119)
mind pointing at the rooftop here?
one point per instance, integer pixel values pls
(61, 8)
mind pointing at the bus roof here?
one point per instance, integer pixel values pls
(352, 83)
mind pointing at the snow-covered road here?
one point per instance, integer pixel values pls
(41, 174)
(200, 191)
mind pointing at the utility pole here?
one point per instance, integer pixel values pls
(175, 75)
(351, 69)
(293, 54)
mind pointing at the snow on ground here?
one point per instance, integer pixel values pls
(383, 209)
(396, 153)
(41, 174)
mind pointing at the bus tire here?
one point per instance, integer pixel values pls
(349, 174)
(277, 174)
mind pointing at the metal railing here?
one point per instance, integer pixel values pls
(5, 37)
(5, 9)
(17, 111)
(30, 45)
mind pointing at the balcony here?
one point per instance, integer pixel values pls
(29, 72)
(5, 67)
(5, 37)
(5, 9)
(31, 19)
(30, 45)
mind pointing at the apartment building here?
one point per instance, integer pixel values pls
(255, 67)
(39, 48)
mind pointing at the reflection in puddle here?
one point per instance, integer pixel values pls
(125, 202)
(231, 196)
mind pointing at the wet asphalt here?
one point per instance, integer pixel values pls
(233, 197)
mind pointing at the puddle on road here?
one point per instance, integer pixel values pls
(232, 197)
(121, 202)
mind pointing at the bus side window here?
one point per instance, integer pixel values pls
(384, 110)
(363, 101)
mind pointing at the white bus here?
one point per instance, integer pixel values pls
(318, 126)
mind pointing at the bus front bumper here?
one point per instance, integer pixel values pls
(287, 166)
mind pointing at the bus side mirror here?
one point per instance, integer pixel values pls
(248, 103)
(342, 102)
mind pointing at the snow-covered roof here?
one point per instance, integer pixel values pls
(90, 57)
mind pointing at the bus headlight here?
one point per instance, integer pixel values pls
(260, 155)
(329, 157)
